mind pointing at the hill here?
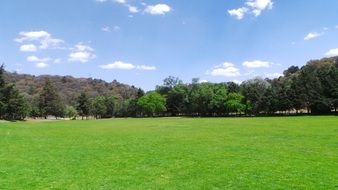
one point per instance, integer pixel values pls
(70, 87)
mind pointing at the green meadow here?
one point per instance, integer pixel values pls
(171, 153)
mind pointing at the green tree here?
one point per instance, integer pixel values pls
(99, 107)
(200, 97)
(218, 98)
(254, 91)
(152, 104)
(235, 103)
(13, 106)
(71, 112)
(111, 106)
(50, 102)
(83, 105)
(177, 100)
(2, 86)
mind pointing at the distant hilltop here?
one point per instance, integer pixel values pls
(70, 87)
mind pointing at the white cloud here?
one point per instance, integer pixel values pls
(31, 36)
(80, 57)
(238, 13)
(145, 67)
(28, 48)
(41, 65)
(312, 35)
(259, 5)
(126, 66)
(159, 9)
(256, 64)
(332, 52)
(254, 7)
(203, 81)
(121, 1)
(133, 9)
(226, 69)
(81, 53)
(36, 59)
(43, 38)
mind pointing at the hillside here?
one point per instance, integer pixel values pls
(69, 87)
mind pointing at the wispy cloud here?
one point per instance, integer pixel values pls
(126, 66)
(156, 9)
(28, 48)
(256, 64)
(312, 35)
(36, 59)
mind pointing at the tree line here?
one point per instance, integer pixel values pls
(311, 89)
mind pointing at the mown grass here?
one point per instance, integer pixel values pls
(171, 153)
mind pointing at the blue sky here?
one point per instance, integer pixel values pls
(142, 42)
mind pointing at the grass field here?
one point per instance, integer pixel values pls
(171, 153)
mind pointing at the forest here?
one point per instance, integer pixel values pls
(311, 89)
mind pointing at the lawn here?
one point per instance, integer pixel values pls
(171, 153)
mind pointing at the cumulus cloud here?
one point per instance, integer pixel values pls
(226, 69)
(332, 52)
(41, 65)
(255, 7)
(238, 13)
(43, 38)
(36, 59)
(159, 9)
(132, 9)
(259, 5)
(312, 35)
(81, 53)
(28, 48)
(256, 64)
(126, 66)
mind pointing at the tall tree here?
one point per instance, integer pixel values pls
(99, 107)
(177, 100)
(50, 102)
(111, 104)
(13, 106)
(83, 105)
(254, 91)
(2, 86)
